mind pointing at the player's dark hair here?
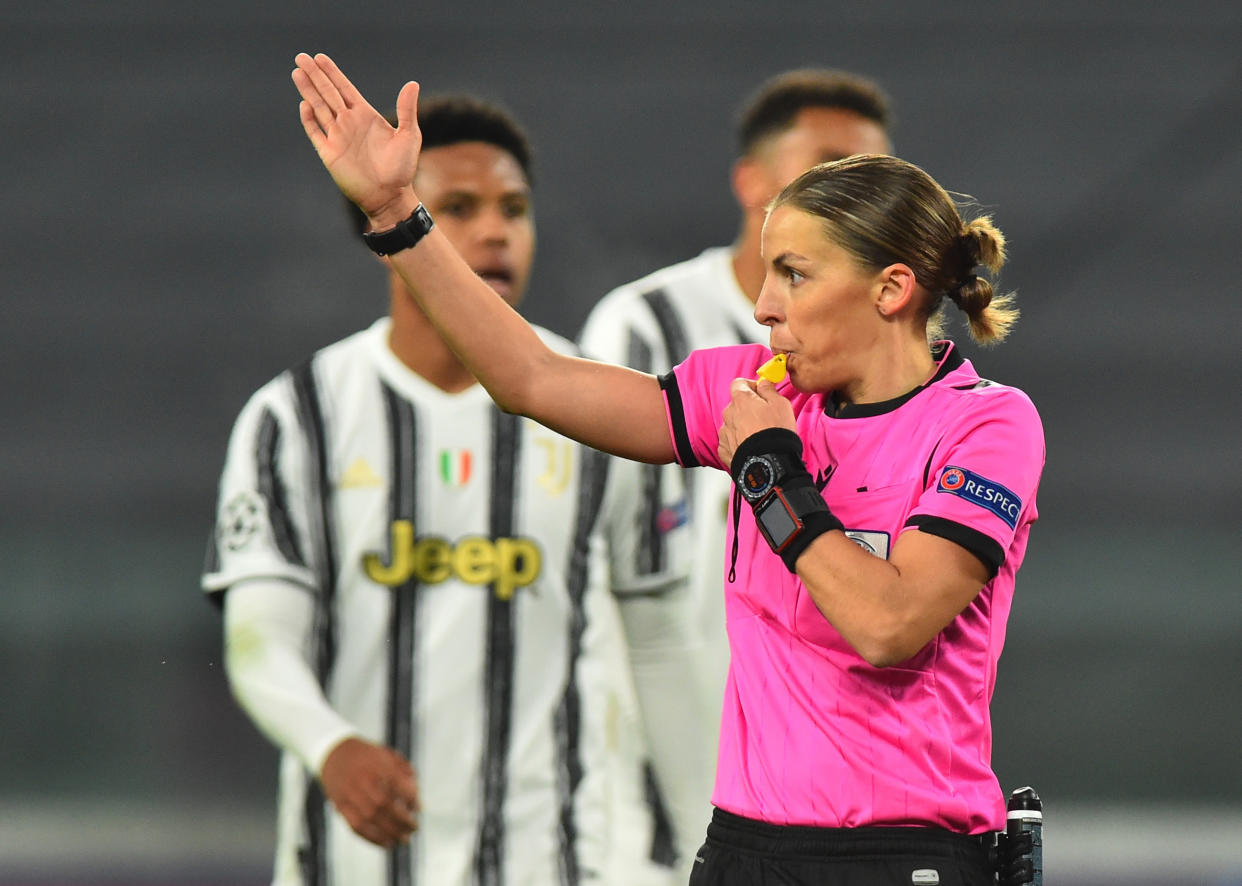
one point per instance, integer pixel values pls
(772, 108)
(883, 210)
(453, 119)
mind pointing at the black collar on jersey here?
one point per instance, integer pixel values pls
(943, 352)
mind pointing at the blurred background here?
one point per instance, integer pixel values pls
(170, 242)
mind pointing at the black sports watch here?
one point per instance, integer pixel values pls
(404, 235)
(760, 473)
(784, 514)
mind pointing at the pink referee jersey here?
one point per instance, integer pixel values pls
(811, 733)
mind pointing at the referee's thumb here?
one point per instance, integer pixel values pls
(766, 390)
(742, 385)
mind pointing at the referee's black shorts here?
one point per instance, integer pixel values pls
(743, 852)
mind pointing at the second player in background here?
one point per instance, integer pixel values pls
(792, 122)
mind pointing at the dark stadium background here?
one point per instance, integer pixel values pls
(169, 242)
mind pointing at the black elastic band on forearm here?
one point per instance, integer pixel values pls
(813, 526)
(769, 441)
(798, 488)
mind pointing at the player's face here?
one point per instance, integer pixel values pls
(817, 302)
(479, 197)
(818, 135)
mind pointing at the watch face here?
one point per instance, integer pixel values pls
(777, 522)
(758, 475)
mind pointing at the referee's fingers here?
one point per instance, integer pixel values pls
(766, 390)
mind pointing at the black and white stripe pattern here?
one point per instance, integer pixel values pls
(499, 666)
(672, 330)
(403, 495)
(346, 454)
(652, 557)
(311, 421)
(272, 488)
(593, 475)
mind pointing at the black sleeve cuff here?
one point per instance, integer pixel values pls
(677, 417)
(986, 548)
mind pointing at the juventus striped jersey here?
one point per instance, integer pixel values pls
(464, 565)
(652, 325)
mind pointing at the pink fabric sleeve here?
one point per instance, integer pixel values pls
(985, 477)
(696, 393)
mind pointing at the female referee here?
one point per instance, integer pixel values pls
(885, 496)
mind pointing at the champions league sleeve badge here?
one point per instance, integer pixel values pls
(239, 520)
(981, 491)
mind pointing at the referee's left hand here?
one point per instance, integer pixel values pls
(754, 406)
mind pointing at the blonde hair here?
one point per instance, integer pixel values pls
(884, 210)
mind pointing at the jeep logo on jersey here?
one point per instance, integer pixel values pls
(505, 563)
(982, 492)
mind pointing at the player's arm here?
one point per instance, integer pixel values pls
(267, 624)
(666, 657)
(611, 408)
(666, 650)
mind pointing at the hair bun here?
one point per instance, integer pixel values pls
(973, 295)
(958, 293)
(983, 244)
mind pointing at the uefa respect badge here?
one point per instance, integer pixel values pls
(979, 490)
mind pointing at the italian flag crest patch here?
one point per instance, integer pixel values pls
(455, 466)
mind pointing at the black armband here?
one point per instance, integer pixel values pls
(771, 476)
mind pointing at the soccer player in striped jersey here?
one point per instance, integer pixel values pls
(448, 617)
(793, 121)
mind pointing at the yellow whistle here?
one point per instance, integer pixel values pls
(773, 370)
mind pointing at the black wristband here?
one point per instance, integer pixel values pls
(814, 525)
(769, 441)
(769, 473)
(404, 235)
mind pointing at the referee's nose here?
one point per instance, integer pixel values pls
(770, 306)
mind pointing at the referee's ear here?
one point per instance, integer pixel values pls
(895, 288)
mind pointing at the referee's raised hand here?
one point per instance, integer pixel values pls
(372, 163)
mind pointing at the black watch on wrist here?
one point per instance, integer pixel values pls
(779, 511)
(761, 473)
(773, 479)
(784, 513)
(404, 235)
